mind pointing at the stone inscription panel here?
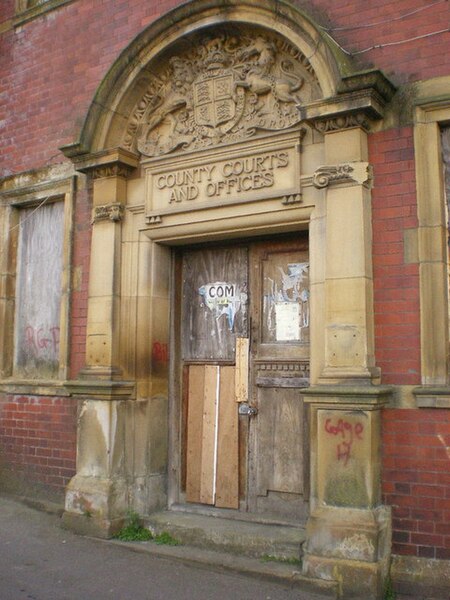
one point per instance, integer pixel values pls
(213, 179)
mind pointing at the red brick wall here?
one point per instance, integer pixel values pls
(396, 284)
(410, 61)
(416, 480)
(58, 60)
(38, 439)
(80, 277)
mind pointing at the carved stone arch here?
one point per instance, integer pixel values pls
(127, 80)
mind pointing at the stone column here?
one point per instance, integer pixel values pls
(349, 338)
(8, 237)
(96, 498)
(348, 531)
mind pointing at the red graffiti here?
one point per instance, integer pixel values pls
(42, 339)
(160, 352)
(348, 433)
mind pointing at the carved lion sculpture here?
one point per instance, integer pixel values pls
(176, 93)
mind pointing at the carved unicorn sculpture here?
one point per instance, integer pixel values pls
(259, 79)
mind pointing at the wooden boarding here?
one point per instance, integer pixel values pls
(241, 381)
(227, 477)
(208, 450)
(194, 432)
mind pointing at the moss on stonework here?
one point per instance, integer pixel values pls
(347, 490)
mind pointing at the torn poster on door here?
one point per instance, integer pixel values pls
(291, 282)
(291, 303)
(223, 299)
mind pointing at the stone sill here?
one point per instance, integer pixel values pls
(97, 389)
(33, 388)
(36, 11)
(432, 397)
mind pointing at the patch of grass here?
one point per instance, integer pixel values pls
(166, 539)
(282, 559)
(133, 531)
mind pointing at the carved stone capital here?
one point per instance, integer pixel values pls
(340, 122)
(358, 172)
(108, 212)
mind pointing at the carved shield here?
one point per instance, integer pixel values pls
(213, 99)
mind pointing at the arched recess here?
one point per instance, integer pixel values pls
(127, 80)
(326, 189)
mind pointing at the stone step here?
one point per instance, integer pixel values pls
(252, 539)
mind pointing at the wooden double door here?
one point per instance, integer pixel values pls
(243, 360)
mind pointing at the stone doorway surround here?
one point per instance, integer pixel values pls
(126, 147)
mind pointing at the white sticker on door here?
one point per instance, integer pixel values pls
(287, 319)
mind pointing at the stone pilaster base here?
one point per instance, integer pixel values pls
(148, 494)
(95, 506)
(352, 547)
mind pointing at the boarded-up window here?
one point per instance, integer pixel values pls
(38, 292)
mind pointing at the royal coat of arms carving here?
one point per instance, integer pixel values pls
(227, 88)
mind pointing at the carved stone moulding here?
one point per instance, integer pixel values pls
(114, 170)
(360, 101)
(293, 199)
(218, 87)
(285, 366)
(358, 172)
(115, 162)
(323, 176)
(337, 123)
(153, 220)
(108, 212)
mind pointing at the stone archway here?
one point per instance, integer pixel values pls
(205, 88)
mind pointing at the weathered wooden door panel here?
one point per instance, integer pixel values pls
(215, 298)
(281, 291)
(280, 440)
(279, 309)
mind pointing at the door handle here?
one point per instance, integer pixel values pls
(246, 409)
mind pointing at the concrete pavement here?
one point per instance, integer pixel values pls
(41, 561)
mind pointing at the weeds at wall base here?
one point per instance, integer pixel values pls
(134, 531)
(389, 592)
